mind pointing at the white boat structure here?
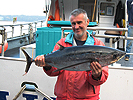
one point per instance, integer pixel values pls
(36, 85)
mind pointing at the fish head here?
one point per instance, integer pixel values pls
(117, 55)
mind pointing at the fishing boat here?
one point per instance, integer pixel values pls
(36, 84)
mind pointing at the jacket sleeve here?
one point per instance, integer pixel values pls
(103, 78)
(98, 42)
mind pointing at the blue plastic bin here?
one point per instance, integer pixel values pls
(46, 38)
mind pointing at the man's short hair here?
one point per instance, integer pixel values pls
(76, 12)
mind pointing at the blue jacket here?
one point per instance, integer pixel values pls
(130, 11)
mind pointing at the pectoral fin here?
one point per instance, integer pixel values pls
(70, 66)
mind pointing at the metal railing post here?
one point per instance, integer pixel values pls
(105, 36)
(111, 42)
(12, 30)
(2, 32)
(30, 32)
(62, 35)
(21, 26)
(35, 26)
(41, 23)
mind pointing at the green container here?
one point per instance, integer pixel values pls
(46, 38)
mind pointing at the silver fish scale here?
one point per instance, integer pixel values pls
(85, 56)
(77, 59)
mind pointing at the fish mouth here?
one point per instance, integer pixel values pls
(118, 58)
(121, 57)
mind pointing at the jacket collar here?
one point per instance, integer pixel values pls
(89, 41)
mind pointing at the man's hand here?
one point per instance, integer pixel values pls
(40, 61)
(96, 70)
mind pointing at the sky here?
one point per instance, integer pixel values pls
(22, 7)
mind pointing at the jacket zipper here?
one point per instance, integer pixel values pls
(93, 89)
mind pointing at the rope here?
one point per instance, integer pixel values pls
(20, 92)
(46, 96)
(94, 11)
(32, 52)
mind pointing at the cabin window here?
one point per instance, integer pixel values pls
(107, 9)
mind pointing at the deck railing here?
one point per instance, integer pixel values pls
(23, 26)
(17, 30)
(106, 36)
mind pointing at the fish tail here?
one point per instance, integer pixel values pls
(29, 61)
(24, 73)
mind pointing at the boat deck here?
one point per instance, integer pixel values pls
(127, 63)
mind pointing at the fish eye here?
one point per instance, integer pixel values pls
(114, 56)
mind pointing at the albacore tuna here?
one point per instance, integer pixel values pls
(78, 58)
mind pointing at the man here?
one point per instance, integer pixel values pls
(130, 27)
(77, 85)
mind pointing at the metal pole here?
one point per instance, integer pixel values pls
(30, 32)
(21, 26)
(62, 33)
(126, 20)
(35, 26)
(111, 42)
(3, 42)
(41, 23)
(2, 54)
(99, 28)
(94, 10)
(46, 96)
(20, 92)
(12, 30)
(104, 28)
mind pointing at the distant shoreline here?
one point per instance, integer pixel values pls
(22, 18)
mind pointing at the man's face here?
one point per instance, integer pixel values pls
(79, 25)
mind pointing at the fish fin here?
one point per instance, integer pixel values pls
(25, 73)
(57, 70)
(60, 46)
(29, 61)
(63, 68)
(69, 66)
(25, 53)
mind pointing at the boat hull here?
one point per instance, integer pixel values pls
(11, 78)
(117, 87)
